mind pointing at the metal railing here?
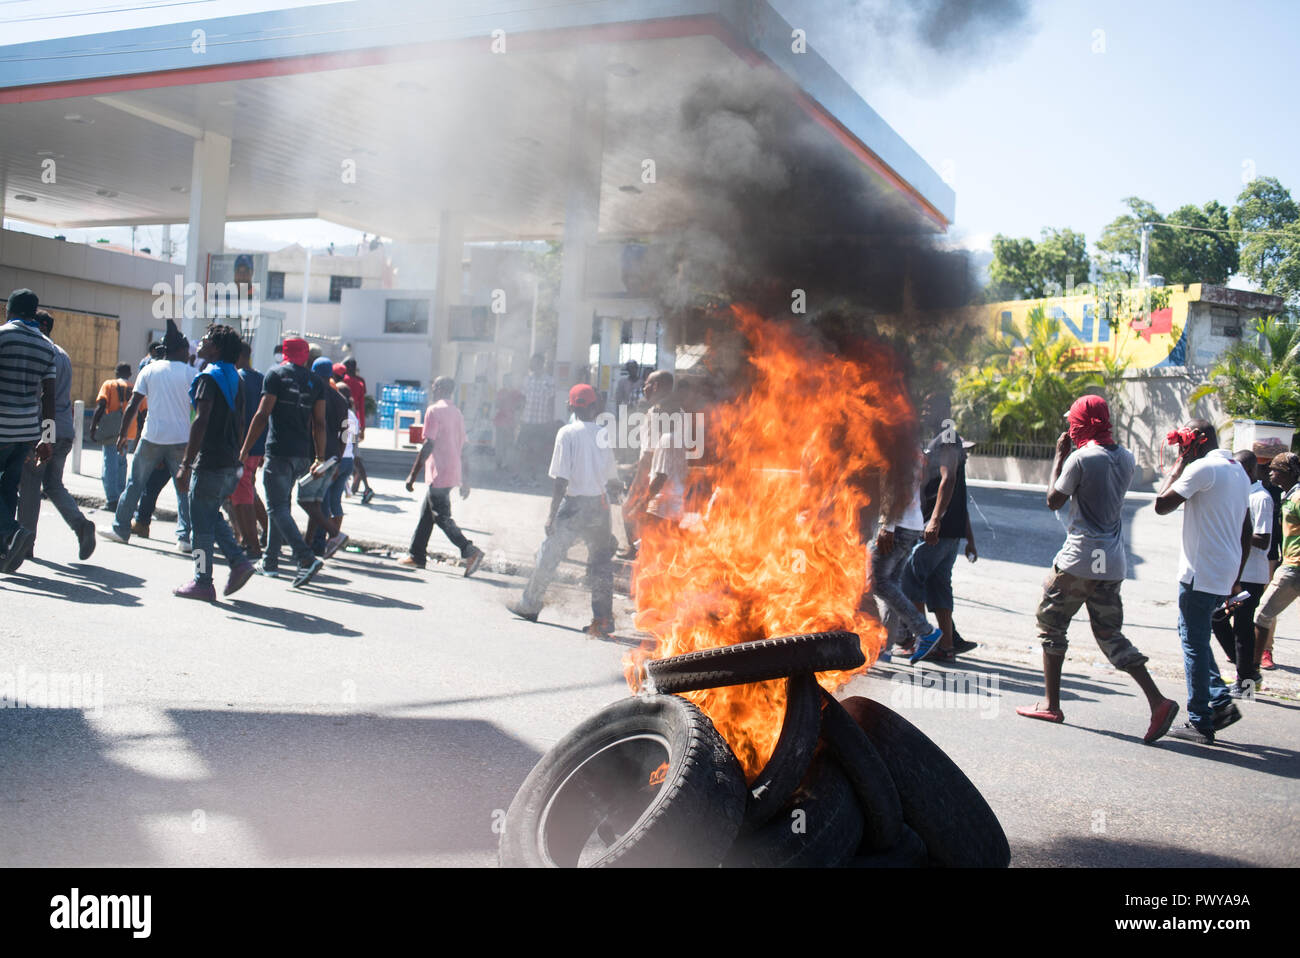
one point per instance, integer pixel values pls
(1015, 450)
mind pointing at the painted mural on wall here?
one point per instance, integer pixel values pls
(1147, 327)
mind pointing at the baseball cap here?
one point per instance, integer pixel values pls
(581, 396)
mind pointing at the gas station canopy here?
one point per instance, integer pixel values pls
(387, 116)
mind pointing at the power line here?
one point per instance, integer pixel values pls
(134, 8)
(1209, 229)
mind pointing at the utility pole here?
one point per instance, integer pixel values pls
(1144, 253)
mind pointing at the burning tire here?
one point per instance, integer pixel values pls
(819, 827)
(938, 800)
(646, 782)
(757, 661)
(792, 755)
(851, 748)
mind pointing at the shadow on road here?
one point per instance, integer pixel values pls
(1282, 762)
(95, 592)
(319, 586)
(288, 619)
(291, 786)
(1098, 851)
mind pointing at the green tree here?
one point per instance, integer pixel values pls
(1261, 379)
(1119, 248)
(1023, 269)
(1022, 385)
(1269, 222)
(1196, 255)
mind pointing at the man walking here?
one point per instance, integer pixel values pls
(320, 534)
(293, 403)
(48, 476)
(444, 469)
(585, 474)
(1283, 588)
(928, 574)
(357, 387)
(1091, 565)
(1234, 626)
(165, 384)
(245, 503)
(210, 470)
(110, 405)
(538, 418)
(1216, 545)
(27, 428)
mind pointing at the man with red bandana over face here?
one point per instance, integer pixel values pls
(1091, 565)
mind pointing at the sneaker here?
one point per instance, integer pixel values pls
(1161, 719)
(518, 609)
(411, 562)
(1226, 715)
(960, 645)
(184, 545)
(112, 534)
(196, 590)
(1187, 732)
(86, 537)
(334, 543)
(1243, 690)
(305, 572)
(270, 571)
(369, 494)
(1266, 660)
(600, 629)
(473, 561)
(239, 577)
(19, 544)
(140, 529)
(925, 645)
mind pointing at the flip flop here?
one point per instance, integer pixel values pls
(1046, 715)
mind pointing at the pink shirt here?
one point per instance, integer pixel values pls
(444, 426)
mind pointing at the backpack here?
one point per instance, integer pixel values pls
(110, 424)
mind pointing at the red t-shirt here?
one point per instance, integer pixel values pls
(357, 386)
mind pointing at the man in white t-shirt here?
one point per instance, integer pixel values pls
(585, 473)
(165, 383)
(1216, 545)
(1234, 627)
(1090, 567)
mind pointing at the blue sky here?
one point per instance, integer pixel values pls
(1048, 122)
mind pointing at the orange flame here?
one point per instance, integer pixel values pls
(792, 462)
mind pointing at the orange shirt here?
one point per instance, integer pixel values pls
(116, 399)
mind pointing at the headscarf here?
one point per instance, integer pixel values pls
(323, 368)
(1090, 422)
(296, 351)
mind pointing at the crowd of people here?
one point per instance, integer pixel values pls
(209, 421)
(204, 420)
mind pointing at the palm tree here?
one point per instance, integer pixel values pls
(1255, 381)
(1022, 390)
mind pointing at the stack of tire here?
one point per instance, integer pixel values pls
(648, 781)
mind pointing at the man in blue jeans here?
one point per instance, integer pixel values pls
(210, 470)
(293, 403)
(165, 384)
(1216, 545)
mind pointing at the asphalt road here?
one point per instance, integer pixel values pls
(385, 716)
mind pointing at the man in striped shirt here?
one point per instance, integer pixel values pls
(27, 375)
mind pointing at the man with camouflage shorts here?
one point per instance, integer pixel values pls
(1091, 565)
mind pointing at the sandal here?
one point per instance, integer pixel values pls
(1046, 715)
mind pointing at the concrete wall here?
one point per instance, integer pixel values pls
(385, 357)
(76, 276)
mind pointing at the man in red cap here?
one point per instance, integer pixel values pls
(586, 481)
(1091, 565)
